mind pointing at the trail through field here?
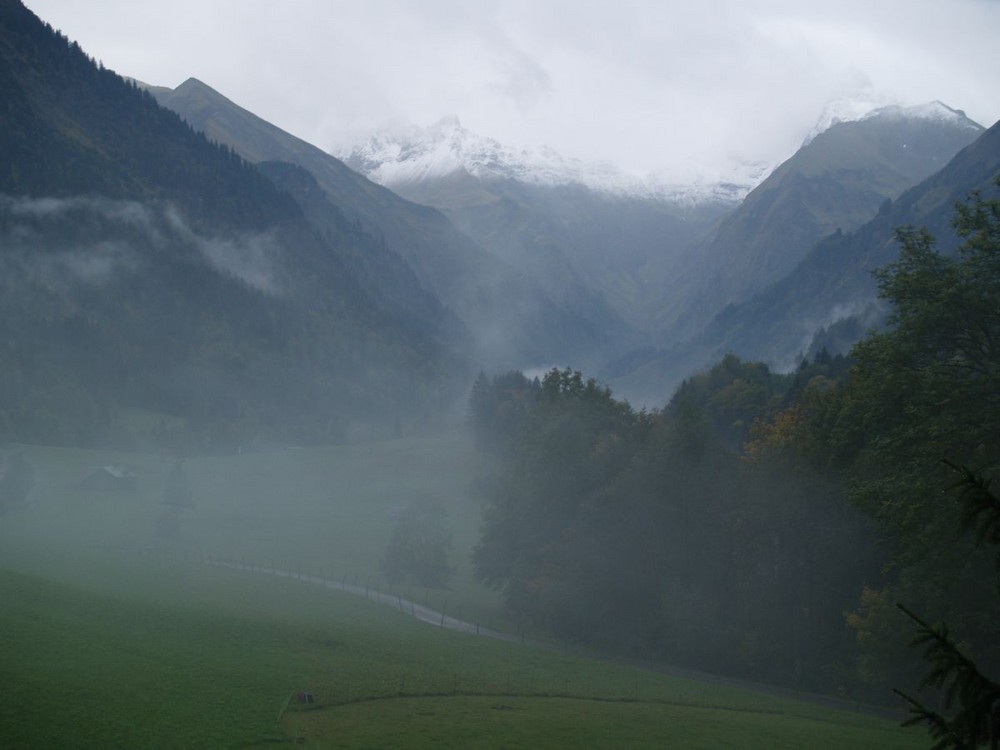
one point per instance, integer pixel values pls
(440, 619)
(419, 611)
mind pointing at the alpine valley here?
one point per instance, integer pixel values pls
(614, 459)
(161, 242)
(668, 258)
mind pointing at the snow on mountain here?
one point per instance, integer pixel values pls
(401, 157)
(850, 108)
(857, 109)
(412, 155)
(935, 110)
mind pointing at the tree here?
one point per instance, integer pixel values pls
(924, 403)
(498, 408)
(418, 548)
(177, 493)
(971, 696)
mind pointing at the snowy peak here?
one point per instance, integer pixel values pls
(406, 156)
(934, 111)
(411, 155)
(856, 110)
(414, 155)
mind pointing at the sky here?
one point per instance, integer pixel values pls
(647, 85)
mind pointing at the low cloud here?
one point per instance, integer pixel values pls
(248, 259)
(65, 242)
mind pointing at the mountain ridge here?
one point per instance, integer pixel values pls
(836, 181)
(404, 156)
(830, 298)
(497, 302)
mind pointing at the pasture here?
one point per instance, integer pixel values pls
(112, 636)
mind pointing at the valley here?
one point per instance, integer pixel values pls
(387, 435)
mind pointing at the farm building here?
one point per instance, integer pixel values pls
(108, 478)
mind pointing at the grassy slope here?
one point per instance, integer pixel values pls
(206, 657)
(109, 638)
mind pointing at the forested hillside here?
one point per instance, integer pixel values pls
(835, 183)
(834, 282)
(156, 282)
(830, 299)
(733, 530)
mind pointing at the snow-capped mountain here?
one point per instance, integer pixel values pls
(935, 111)
(857, 109)
(400, 157)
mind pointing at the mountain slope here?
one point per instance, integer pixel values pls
(831, 288)
(145, 267)
(513, 319)
(596, 238)
(834, 281)
(836, 181)
(72, 128)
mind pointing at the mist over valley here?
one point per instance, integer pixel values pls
(434, 439)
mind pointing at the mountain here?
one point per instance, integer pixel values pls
(830, 297)
(661, 257)
(409, 156)
(147, 270)
(836, 182)
(593, 236)
(834, 284)
(513, 319)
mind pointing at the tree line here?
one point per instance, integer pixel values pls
(767, 525)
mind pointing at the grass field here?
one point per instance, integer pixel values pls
(111, 637)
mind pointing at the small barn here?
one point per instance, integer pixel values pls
(108, 478)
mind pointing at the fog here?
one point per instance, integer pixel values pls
(44, 235)
(288, 459)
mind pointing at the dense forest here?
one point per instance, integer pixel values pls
(766, 525)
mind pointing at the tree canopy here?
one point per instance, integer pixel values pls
(735, 528)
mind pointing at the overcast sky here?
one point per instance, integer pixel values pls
(645, 84)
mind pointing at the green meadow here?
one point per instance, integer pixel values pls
(112, 636)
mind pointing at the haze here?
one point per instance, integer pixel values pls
(649, 86)
(451, 444)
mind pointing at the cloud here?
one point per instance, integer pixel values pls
(642, 83)
(64, 243)
(249, 259)
(41, 241)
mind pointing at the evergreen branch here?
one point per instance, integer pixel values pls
(938, 726)
(977, 721)
(980, 506)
